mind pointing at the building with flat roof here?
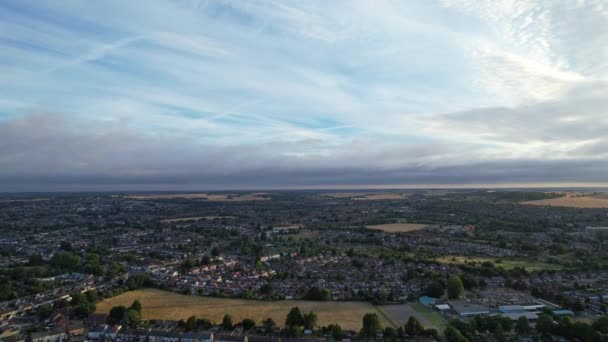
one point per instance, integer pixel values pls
(467, 309)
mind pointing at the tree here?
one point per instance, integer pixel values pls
(132, 318)
(454, 335)
(455, 288)
(84, 310)
(35, 260)
(336, 332)
(247, 294)
(266, 290)
(190, 323)
(310, 320)
(92, 296)
(117, 314)
(389, 333)
(248, 324)
(434, 289)
(227, 322)
(544, 324)
(413, 327)
(65, 261)
(371, 325)
(215, 251)
(499, 333)
(523, 326)
(268, 324)
(43, 311)
(601, 325)
(317, 293)
(136, 306)
(294, 318)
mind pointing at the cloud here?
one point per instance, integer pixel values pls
(226, 93)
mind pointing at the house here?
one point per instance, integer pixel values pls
(196, 337)
(254, 338)
(511, 309)
(163, 336)
(229, 338)
(132, 335)
(54, 335)
(97, 332)
(442, 307)
(75, 329)
(112, 332)
(531, 316)
(96, 319)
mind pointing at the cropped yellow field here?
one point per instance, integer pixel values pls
(195, 218)
(257, 196)
(573, 200)
(158, 304)
(399, 227)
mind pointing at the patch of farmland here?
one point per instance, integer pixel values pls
(573, 200)
(164, 305)
(195, 218)
(399, 227)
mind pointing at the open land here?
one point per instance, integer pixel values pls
(195, 218)
(507, 264)
(164, 305)
(399, 227)
(400, 313)
(258, 196)
(363, 196)
(573, 200)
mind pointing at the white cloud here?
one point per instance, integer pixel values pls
(306, 85)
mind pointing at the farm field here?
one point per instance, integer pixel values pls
(158, 304)
(399, 227)
(574, 200)
(258, 196)
(507, 264)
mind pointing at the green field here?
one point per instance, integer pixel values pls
(507, 264)
(158, 304)
(433, 317)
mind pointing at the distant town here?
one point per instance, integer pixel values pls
(457, 265)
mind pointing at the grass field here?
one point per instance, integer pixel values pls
(573, 200)
(158, 304)
(434, 318)
(507, 264)
(399, 227)
(400, 313)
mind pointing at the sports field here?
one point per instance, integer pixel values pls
(158, 304)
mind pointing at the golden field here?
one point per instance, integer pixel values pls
(195, 218)
(158, 304)
(573, 200)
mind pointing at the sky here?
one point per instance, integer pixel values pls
(185, 95)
